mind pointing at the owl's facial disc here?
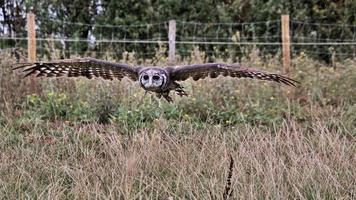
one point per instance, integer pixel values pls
(152, 80)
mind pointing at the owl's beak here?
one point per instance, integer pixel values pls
(150, 86)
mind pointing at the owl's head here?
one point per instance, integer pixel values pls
(153, 79)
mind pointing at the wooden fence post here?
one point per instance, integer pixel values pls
(285, 43)
(172, 42)
(33, 86)
(31, 37)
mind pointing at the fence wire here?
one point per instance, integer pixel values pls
(320, 40)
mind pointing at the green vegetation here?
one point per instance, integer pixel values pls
(79, 138)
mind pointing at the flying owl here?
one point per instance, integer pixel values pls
(160, 80)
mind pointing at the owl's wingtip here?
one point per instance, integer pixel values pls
(17, 66)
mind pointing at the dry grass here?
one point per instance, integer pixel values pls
(83, 140)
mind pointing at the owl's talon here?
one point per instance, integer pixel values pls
(159, 95)
(168, 98)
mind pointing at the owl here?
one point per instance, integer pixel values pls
(160, 80)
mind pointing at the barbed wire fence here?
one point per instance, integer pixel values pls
(216, 40)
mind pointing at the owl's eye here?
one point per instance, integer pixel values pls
(145, 77)
(156, 78)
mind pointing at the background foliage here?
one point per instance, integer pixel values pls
(52, 16)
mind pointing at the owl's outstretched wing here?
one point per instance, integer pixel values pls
(86, 67)
(213, 70)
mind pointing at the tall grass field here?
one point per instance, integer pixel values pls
(63, 138)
